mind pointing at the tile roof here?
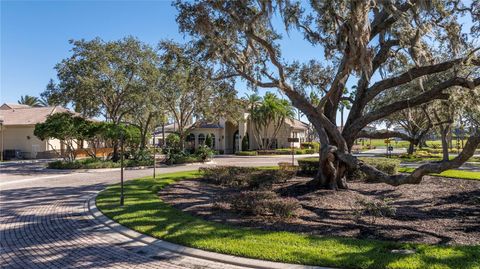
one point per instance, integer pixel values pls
(209, 125)
(28, 115)
(13, 106)
(297, 124)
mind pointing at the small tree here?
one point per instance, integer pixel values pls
(93, 133)
(131, 134)
(173, 141)
(65, 127)
(245, 142)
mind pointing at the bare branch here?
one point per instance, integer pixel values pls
(408, 76)
(435, 93)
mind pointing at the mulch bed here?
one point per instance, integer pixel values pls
(437, 211)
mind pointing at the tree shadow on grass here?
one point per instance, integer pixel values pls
(179, 227)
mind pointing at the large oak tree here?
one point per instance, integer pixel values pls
(367, 42)
(188, 91)
(109, 78)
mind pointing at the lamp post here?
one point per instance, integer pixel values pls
(122, 198)
(154, 153)
(1, 129)
(292, 145)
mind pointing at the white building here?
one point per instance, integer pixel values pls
(16, 134)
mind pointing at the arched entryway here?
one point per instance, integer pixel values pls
(214, 143)
(190, 142)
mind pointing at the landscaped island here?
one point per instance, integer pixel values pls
(275, 215)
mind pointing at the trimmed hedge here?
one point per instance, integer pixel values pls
(287, 151)
(309, 166)
(253, 178)
(96, 164)
(246, 153)
(387, 165)
(310, 145)
(264, 203)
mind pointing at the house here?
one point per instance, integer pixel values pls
(16, 135)
(227, 135)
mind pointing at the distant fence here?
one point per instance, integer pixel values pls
(99, 152)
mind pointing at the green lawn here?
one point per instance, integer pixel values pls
(405, 144)
(449, 173)
(414, 158)
(146, 213)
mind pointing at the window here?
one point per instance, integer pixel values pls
(201, 139)
(274, 143)
(213, 140)
(190, 141)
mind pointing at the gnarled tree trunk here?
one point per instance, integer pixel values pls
(332, 171)
(444, 138)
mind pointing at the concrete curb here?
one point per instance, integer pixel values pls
(187, 251)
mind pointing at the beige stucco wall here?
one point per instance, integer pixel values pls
(212, 131)
(22, 138)
(225, 140)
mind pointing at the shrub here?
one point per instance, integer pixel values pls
(283, 207)
(173, 141)
(309, 166)
(246, 153)
(264, 202)
(89, 163)
(204, 153)
(374, 209)
(234, 176)
(285, 151)
(245, 142)
(389, 166)
(266, 178)
(181, 157)
(266, 152)
(287, 166)
(142, 155)
(309, 151)
(63, 165)
(252, 202)
(228, 175)
(310, 145)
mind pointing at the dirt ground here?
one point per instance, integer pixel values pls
(437, 211)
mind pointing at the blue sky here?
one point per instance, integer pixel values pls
(35, 34)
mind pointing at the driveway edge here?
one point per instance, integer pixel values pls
(187, 251)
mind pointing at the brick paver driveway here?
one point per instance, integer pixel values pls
(44, 221)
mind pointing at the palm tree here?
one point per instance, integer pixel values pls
(269, 111)
(30, 101)
(45, 101)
